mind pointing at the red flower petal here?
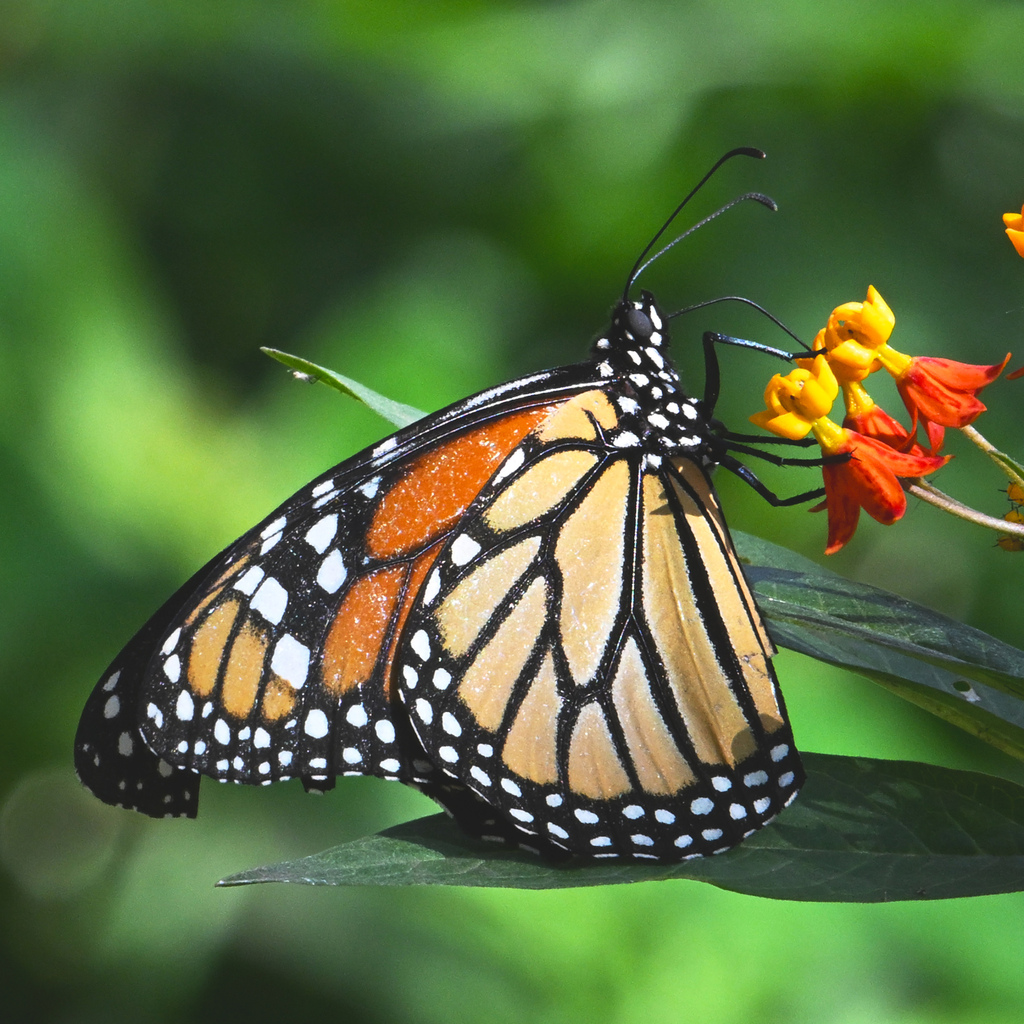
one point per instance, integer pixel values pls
(877, 423)
(843, 509)
(944, 391)
(868, 479)
(877, 488)
(936, 435)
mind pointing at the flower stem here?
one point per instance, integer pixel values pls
(1006, 464)
(928, 492)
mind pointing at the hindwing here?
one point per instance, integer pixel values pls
(586, 656)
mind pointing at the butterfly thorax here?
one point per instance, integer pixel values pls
(656, 413)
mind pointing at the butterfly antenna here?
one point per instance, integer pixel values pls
(747, 302)
(640, 265)
(756, 196)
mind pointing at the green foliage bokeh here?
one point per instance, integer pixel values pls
(432, 198)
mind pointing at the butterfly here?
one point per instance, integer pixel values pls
(526, 605)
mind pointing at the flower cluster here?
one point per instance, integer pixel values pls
(868, 454)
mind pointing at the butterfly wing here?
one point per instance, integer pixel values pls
(275, 659)
(586, 656)
(111, 757)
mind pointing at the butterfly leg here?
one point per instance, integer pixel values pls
(730, 438)
(712, 371)
(781, 460)
(748, 476)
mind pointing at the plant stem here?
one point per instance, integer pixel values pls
(928, 492)
(1006, 464)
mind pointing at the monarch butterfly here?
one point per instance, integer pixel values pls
(526, 605)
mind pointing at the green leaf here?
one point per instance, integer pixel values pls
(954, 671)
(861, 831)
(394, 412)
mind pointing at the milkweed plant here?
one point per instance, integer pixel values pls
(863, 829)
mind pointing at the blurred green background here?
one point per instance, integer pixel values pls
(433, 198)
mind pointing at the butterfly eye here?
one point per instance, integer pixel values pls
(639, 324)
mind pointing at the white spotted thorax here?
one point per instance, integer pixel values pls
(657, 415)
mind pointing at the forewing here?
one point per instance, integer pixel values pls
(111, 758)
(586, 656)
(274, 661)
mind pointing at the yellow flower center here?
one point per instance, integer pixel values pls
(857, 335)
(858, 401)
(829, 434)
(796, 401)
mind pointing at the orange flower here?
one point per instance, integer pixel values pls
(940, 392)
(943, 393)
(856, 334)
(871, 420)
(1015, 229)
(795, 401)
(867, 480)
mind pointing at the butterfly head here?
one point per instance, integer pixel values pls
(638, 323)
(655, 410)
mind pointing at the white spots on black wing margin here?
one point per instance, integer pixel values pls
(249, 580)
(332, 572)
(357, 716)
(326, 498)
(277, 526)
(320, 535)
(184, 706)
(270, 601)
(386, 446)
(432, 588)
(464, 549)
(511, 465)
(315, 724)
(290, 661)
(370, 488)
(625, 439)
